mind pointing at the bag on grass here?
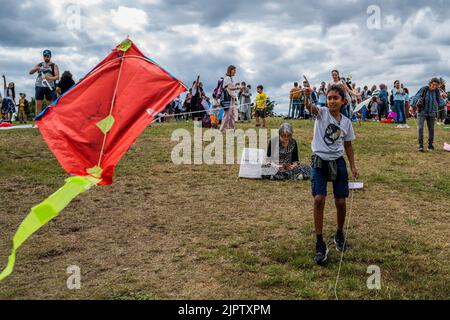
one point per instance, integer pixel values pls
(206, 122)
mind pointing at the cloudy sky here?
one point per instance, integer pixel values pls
(271, 42)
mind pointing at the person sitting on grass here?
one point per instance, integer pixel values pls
(261, 106)
(286, 165)
(333, 135)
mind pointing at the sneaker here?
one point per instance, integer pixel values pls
(339, 241)
(421, 149)
(430, 148)
(398, 126)
(321, 253)
(406, 126)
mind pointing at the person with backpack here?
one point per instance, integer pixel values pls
(427, 102)
(48, 74)
(228, 100)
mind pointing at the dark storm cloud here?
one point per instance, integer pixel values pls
(29, 25)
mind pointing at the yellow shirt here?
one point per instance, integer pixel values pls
(22, 104)
(261, 100)
(296, 93)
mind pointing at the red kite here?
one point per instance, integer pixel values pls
(92, 125)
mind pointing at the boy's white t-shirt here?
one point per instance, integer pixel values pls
(329, 135)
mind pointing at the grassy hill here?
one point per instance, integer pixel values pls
(163, 231)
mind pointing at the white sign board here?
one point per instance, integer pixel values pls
(251, 163)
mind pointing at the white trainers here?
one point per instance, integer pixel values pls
(405, 126)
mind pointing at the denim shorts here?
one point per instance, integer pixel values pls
(45, 92)
(319, 180)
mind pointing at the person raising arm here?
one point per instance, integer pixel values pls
(333, 136)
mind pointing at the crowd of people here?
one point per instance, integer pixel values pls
(231, 102)
(383, 105)
(379, 103)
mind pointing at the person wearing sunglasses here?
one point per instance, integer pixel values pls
(48, 74)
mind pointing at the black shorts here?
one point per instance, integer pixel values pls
(45, 92)
(261, 113)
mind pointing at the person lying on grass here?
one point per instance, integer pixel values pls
(333, 134)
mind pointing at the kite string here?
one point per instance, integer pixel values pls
(111, 109)
(345, 243)
(347, 227)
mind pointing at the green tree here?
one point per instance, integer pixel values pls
(270, 106)
(31, 108)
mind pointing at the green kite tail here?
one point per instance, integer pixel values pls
(41, 214)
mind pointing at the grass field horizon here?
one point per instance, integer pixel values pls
(166, 231)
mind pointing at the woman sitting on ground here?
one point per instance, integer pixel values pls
(286, 166)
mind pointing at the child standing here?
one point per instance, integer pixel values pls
(261, 106)
(23, 103)
(333, 135)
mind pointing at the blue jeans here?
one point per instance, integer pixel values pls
(295, 109)
(400, 109)
(364, 113)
